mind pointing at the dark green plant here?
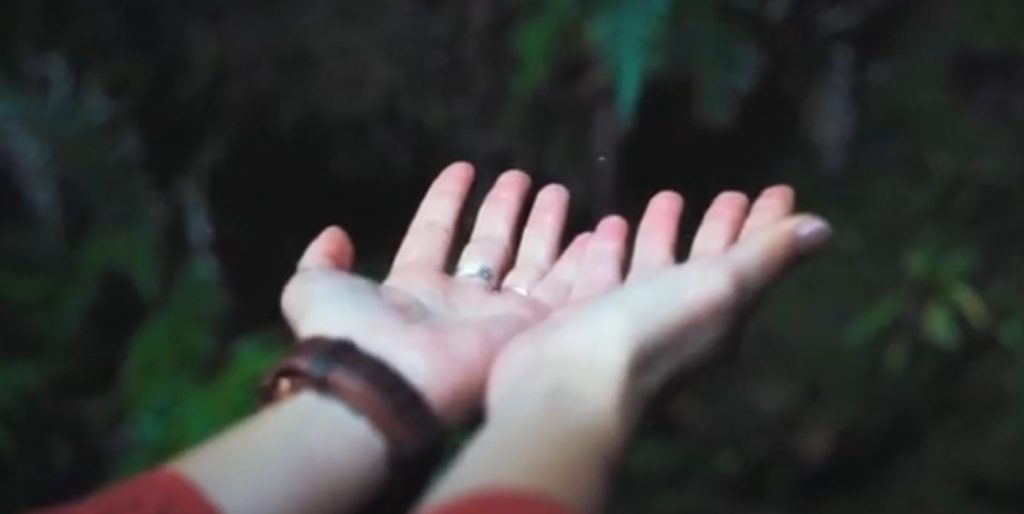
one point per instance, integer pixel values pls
(85, 261)
(636, 41)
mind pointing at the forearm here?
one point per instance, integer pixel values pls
(306, 454)
(559, 440)
(566, 464)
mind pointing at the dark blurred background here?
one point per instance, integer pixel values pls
(162, 165)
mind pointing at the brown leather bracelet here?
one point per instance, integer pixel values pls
(338, 368)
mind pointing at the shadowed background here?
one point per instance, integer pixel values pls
(162, 165)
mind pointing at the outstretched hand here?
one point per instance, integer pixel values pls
(441, 330)
(627, 334)
(572, 309)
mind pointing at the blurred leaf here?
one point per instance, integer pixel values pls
(629, 36)
(877, 320)
(67, 143)
(895, 356)
(196, 409)
(940, 326)
(972, 306)
(919, 262)
(537, 43)
(135, 253)
(173, 345)
(957, 265)
(723, 62)
(234, 391)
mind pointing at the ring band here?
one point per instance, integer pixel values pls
(477, 271)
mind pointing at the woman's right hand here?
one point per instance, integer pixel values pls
(625, 335)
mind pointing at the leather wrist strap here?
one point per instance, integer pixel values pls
(338, 368)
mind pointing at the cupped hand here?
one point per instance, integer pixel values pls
(442, 331)
(626, 332)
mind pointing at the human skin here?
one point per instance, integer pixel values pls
(564, 395)
(516, 339)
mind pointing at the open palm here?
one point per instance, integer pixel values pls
(442, 331)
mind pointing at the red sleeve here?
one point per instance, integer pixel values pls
(159, 491)
(499, 502)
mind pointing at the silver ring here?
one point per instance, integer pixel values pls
(477, 271)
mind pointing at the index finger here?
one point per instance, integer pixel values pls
(429, 237)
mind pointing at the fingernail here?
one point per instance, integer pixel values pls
(812, 233)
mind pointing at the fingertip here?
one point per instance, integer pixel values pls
(553, 191)
(782, 194)
(768, 254)
(612, 225)
(581, 239)
(732, 198)
(811, 232)
(664, 206)
(458, 170)
(515, 176)
(333, 233)
(331, 248)
(667, 198)
(780, 188)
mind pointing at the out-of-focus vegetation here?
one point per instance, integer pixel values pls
(162, 164)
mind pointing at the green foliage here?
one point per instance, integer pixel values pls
(893, 365)
(170, 414)
(640, 40)
(939, 280)
(165, 350)
(538, 41)
(133, 251)
(92, 220)
(630, 36)
(70, 140)
(723, 61)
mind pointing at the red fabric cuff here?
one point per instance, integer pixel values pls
(160, 491)
(500, 502)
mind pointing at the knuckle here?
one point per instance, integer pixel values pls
(437, 229)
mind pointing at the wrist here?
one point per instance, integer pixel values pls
(550, 444)
(404, 351)
(412, 355)
(564, 424)
(557, 383)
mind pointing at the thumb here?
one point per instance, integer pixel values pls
(761, 259)
(331, 249)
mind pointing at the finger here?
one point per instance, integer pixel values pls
(427, 242)
(601, 269)
(720, 226)
(655, 245)
(775, 203)
(331, 249)
(554, 288)
(758, 260)
(538, 247)
(491, 244)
